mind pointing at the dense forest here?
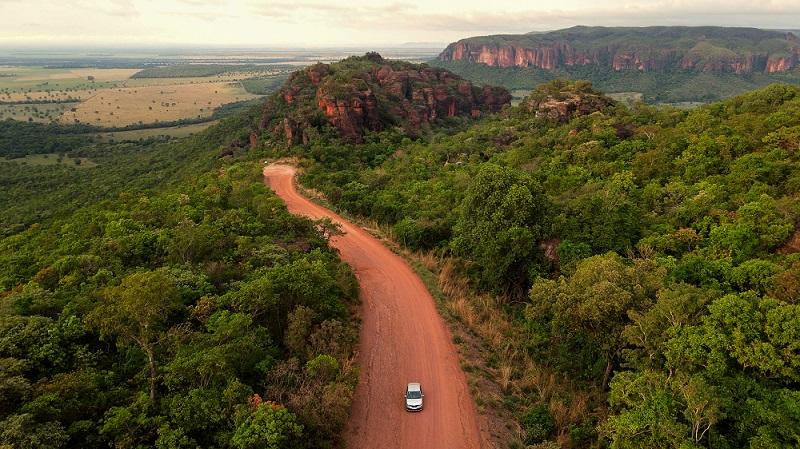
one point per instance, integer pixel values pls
(169, 301)
(641, 253)
(34, 193)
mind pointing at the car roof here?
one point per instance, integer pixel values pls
(413, 386)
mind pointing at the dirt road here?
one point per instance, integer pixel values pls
(403, 340)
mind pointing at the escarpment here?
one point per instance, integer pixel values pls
(648, 49)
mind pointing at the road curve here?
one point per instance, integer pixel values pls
(403, 339)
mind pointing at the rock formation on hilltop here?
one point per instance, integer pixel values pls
(648, 49)
(563, 100)
(369, 93)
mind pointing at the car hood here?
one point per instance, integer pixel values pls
(413, 402)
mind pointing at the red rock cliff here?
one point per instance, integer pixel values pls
(559, 52)
(375, 96)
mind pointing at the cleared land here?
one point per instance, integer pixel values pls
(153, 104)
(629, 98)
(52, 159)
(110, 97)
(167, 131)
(41, 113)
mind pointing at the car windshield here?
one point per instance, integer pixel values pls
(414, 394)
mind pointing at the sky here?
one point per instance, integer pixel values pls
(331, 23)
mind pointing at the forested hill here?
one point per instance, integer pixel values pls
(363, 94)
(664, 63)
(645, 256)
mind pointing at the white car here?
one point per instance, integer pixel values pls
(414, 397)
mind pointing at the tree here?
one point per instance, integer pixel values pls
(502, 217)
(675, 307)
(596, 301)
(648, 411)
(138, 311)
(269, 426)
(23, 432)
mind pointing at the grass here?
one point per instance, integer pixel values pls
(24, 80)
(205, 70)
(264, 85)
(170, 131)
(52, 159)
(153, 104)
(628, 98)
(40, 113)
(112, 99)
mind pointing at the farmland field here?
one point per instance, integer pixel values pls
(115, 98)
(40, 113)
(152, 104)
(52, 159)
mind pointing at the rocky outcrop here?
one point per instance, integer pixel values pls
(643, 49)
(369, 93)
(561, 101)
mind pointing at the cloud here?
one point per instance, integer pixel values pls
(734, 12)
(420, 20)
(330, 10)
(347, 22)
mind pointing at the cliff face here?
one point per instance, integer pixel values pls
(647, 49)
(369, 93)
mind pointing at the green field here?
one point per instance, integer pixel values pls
(264, 85)
(628, 98)
(42, 113)
(141, 134)
(206, 70)
(52, 159)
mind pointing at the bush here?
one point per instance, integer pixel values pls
(538, 424)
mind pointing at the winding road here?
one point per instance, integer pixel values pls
(403, 339)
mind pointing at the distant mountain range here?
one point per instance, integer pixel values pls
(665, 63)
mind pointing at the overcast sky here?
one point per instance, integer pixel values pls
(322, 23)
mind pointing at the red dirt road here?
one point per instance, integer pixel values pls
(403, 339)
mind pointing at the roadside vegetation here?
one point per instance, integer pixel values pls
(633, 270)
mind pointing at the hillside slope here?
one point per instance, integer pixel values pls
(164, 298)
(638, 58)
